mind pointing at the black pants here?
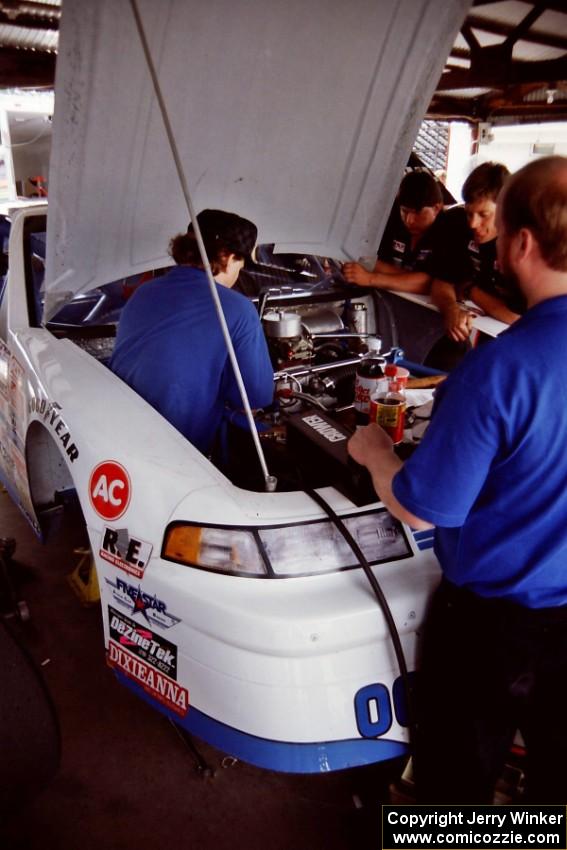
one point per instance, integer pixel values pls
(488, 668)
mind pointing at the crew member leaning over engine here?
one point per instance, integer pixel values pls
(404, 254)
(464, 262)
(169, 345)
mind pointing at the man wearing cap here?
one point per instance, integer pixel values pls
(405, 250)
(169, 344)
(491, 475)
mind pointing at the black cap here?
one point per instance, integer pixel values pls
(419, 189)
(226, 230)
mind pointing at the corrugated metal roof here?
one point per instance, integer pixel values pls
(28, 39)
(30, 24)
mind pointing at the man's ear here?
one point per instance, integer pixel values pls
(525, 244)
(223, 260)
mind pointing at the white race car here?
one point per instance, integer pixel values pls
(244, 615)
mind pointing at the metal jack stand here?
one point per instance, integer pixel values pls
(83, 579)
(203, 768)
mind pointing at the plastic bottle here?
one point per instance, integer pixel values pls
(369, 372)
(388, 404)
(397, 377)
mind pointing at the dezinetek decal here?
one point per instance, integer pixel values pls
(109, 489)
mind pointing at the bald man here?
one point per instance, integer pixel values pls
(491, 476)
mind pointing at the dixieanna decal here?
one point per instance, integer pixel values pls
(146, 658)
(158, 686)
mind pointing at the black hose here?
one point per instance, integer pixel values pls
(381, 301)
(383, 603)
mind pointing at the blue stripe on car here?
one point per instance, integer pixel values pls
(318, 757)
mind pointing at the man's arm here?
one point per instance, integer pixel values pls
(493, 306)
(386, 276)
(372, 447)
(253, 358)
(458, 322)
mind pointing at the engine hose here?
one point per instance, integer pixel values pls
(418, 369)
(332, 346)
(340, 373)
(310, 398)
(344, 383)
(379, 302)
(383, 603)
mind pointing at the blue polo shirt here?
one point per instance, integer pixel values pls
(170, 349)
(491, 472)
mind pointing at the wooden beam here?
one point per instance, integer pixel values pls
(470, 37)
(493, 73)
(26, 68)
(534, 37)
(521, 30)
(28, 21)
(549, 5)
(44, 10)
(489, 107)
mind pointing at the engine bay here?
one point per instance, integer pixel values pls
(316, 340)
(318, 329)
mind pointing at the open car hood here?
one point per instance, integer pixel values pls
(298, 115)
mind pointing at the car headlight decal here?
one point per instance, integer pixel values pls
(225, 550)
(300, 549)
(319, 547)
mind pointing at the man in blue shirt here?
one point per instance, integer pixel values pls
(169, 345)
(491, 475)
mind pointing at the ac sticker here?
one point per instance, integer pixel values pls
(109, 489)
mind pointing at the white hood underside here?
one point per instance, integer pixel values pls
(298, 115)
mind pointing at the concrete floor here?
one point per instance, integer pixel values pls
(126, 779)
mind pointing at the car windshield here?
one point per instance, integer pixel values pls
(267, 273)
(99, 306)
